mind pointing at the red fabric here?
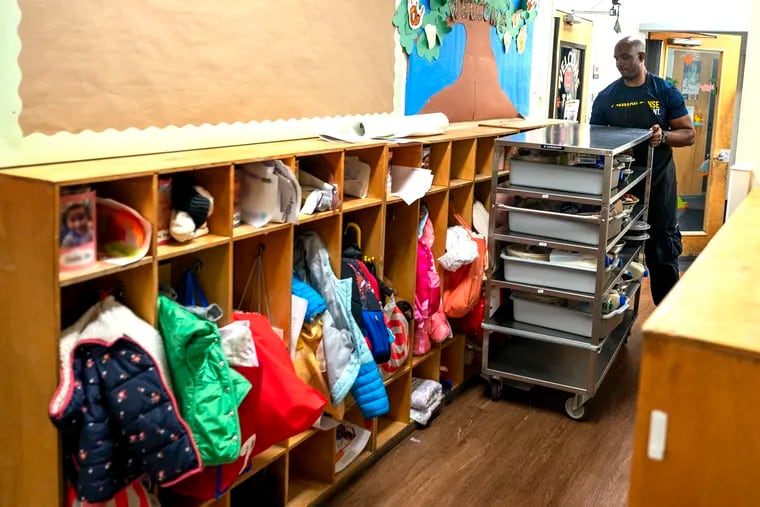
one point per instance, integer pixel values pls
(278, 406)
(134, 495)
(371, 279)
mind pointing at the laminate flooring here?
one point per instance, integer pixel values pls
(522, 451)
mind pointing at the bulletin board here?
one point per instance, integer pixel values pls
(99, 64)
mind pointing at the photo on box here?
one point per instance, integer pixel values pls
(77, 228)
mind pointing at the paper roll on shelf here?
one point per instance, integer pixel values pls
(403, 126)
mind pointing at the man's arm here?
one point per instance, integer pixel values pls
(681, 132)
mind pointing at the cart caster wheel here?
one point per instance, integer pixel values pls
(572, 412)
(496, 389)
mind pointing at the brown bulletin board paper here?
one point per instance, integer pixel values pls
(96, 64)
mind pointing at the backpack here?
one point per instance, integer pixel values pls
(400, 347)
(462, 287)
(365, 303)
(371, 318)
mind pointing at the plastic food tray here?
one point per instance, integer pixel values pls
(548, 274)
(560, 226)
(567, 178)
(560, 318)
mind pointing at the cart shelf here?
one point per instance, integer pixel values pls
(639, 173)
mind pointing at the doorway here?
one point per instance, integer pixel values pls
(705, 69)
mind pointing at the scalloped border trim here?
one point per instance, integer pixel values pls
(19, 150)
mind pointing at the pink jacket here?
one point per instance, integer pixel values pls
(429, 320)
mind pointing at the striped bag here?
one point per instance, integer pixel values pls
(134, 495)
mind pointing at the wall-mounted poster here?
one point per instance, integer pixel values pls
(470, 59)
(568, 76)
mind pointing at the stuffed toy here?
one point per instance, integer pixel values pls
(191, 206)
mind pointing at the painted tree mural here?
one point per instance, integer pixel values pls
(456, 42)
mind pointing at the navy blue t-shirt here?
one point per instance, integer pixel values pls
(654, 102)
(663, 99)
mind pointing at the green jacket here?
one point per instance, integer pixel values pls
(207, 389)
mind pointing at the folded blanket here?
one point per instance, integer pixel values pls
(423, 416)
(424, 393)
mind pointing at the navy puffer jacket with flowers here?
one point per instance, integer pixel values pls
(117, 416)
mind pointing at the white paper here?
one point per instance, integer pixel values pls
(350, 442)
(356, 177)
(298, 307)
(392, 128)
(410, 183)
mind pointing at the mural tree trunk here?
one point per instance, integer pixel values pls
(476, 94)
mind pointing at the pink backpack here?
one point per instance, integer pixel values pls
(429, 320)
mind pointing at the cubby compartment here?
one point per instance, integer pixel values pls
(400, 261)
(328, 167)
(463, 152)
(427, 365)
(354, 416)
(135, 287)
(377, 160)
(391, 427)
(329, 229)
(311, 468)
(218, 181)
(438, 207)
(265, 481)
(272, 298)
(452, 360)
(212, 268)
(482, 193)
(371, 240)
(244, 230)
(137, 193)
(460, 201)
(484, 158)
(437, 158)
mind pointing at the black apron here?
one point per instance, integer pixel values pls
(637, 113)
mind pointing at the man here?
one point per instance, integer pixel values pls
(642, 100)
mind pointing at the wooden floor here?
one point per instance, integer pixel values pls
(522, 451)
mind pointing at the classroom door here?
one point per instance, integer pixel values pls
(705, 68)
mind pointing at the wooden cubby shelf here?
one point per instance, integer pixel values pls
(100, 269)
(244, 231)
(173, 249)
(303, 465)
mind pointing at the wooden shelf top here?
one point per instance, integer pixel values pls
(244, 231)
(305, 219)
(436, 189)
(300, 438)
(399, 374)
(90, 171)
(482, 177)
(716, 300)
(417, 360)
(458, 182)
(388, 429)
(100, 269)
(302, 491)
(202, 243)
(352, 203)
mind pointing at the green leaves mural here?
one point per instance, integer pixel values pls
(424, 28)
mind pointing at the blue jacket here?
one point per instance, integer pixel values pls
(117, 417)
(343, 339)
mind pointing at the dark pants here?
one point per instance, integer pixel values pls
(661, 251)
